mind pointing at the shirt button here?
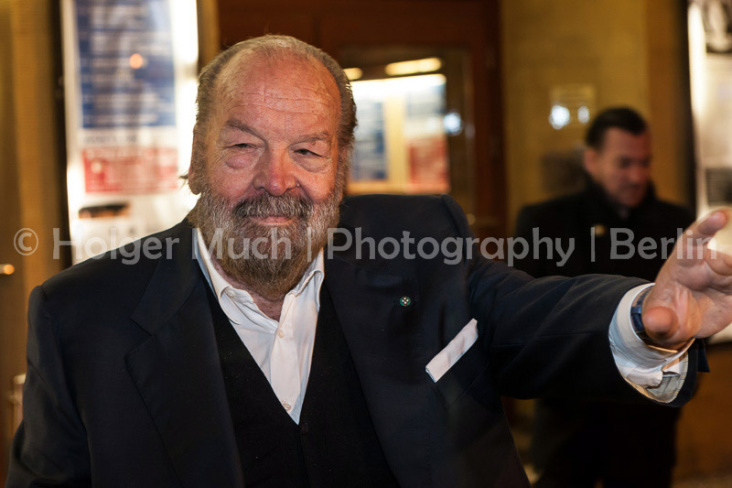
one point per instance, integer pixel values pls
(287, 406)
(230, 293)
(281, 333)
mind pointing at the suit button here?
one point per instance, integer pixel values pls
(304, 428)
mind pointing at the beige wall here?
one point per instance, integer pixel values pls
(630, 51)
(37, 133)
(30, 173)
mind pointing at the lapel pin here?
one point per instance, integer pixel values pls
(405, 301)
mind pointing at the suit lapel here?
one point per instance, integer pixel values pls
(379, 314)
(178, 374)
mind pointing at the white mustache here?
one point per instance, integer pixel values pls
(265, 205)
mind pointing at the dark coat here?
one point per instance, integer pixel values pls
(124, 386)
(577, 216)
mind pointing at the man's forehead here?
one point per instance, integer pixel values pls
(284, 78)
(618, 134)
(616, 139)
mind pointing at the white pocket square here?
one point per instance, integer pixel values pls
(446, 359)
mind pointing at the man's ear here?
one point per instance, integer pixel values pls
(196, 170)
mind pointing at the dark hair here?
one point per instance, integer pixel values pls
(274, 47)
(624, 118)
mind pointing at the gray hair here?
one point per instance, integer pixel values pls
(273, 47)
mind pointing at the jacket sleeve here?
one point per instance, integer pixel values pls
(549, 336)
(50, 447)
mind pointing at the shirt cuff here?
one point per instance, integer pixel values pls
(655, 372)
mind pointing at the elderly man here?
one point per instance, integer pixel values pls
(304, 362)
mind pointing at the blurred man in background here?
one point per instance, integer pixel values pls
(575, 443)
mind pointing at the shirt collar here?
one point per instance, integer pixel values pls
(314, 274)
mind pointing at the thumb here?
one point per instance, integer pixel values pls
(662, 327)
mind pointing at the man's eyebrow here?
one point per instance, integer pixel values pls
(318, 136)
(239, 125)
(242, 126)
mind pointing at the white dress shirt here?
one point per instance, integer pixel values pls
(283, 350)
(655, 372)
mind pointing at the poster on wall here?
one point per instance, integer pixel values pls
(401, 140)
(710, 63)
(426, 138)
(130, 82)
(369, 158)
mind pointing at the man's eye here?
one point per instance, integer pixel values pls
(624, 163)
(242, 145)
(306, 152)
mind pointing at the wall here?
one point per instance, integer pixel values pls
(669, 99)
(31, 175)
(704, 445)
(630, 51)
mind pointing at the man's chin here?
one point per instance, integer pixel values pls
(633, 202)
(632, 199)
(269, 277)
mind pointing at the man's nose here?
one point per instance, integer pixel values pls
(275, 173)
(638, 175)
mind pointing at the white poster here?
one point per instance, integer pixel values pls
(710, 62)
(130, 81)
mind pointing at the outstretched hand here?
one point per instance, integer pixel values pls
(693, 292)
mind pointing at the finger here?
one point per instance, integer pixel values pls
(720, 260)
(707, 226)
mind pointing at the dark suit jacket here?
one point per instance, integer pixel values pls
(124, 386)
